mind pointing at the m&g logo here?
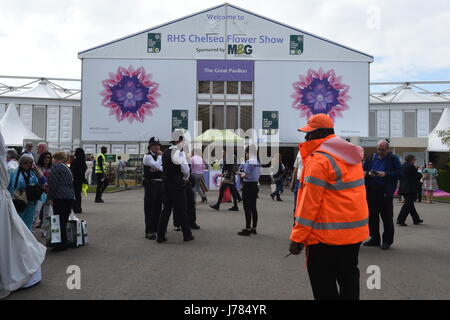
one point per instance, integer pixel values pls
(240, 49)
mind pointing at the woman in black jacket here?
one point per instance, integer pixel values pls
(78, 168)
(409, 185)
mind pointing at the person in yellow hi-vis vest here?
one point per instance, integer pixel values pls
(100, 173)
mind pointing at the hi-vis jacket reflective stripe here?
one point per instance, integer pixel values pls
(97, 167)
(331, 202)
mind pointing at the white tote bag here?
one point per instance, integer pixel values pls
(84, 232)
(55, 229)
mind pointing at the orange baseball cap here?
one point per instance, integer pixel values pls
(318, 121)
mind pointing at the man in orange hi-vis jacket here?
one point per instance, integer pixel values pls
(331, 217)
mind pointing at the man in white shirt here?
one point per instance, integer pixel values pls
(176, 174)
(28, 150)
(295, 183)
(11, 159)
(153, 184)
(42, 148)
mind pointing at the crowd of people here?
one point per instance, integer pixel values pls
(339, 197)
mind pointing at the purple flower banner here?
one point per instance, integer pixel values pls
(225, 70)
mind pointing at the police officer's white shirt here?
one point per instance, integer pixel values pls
(298, 165)
(152, 163)
(179, 157)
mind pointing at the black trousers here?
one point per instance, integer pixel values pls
(62, 207)
(153, 194)
(233, 190)
(249, 195)
(380, 206)
(408, 208)
(419, 194)
(191, 211)
(101, 186)
(77, 189)
(174, 199)
(329, 266)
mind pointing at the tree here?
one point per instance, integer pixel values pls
(445, 136)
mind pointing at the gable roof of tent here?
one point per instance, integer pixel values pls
(13, 129)
(434, 141)
(82, 53)
(42, 91)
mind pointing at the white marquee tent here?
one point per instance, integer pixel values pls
(434, 141)
(13, 129)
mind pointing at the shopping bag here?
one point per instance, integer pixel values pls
(84, 231)
(84, 189)
(71, 230)
(273, 187)
(78, 229)
(55, 229)
(45, 227)
(73, 217)
(226, 196)
(79, 234)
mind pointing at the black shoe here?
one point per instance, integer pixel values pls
(150, 236)
(273, 197)
(418, 222)
(177, 229)
(371, 243)
(245, 232)
(385, 246)
(234, 209)
(188, 239)
(99, 201)
(279, 199)
(161, 240)
(204, 200)
(402, 224)
(253, 231)
(195, 226)
(216, 207)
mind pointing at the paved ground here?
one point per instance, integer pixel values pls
(120, 263)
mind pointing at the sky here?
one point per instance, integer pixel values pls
(409, 39)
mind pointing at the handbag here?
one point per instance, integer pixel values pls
(19, 197)
(20, 200)
(35, 192)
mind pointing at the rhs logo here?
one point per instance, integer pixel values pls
(240, 49)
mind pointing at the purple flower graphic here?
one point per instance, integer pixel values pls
(130, 94)
(217, 179)
(320, 92)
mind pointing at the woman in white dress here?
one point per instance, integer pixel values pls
(429, 181)
(21, 255)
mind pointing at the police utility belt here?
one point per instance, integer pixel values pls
(152, 180)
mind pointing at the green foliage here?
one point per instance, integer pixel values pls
(445, 136)
(443, 180)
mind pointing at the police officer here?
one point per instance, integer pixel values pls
(153, 174)
(175, 176)
(100, 173)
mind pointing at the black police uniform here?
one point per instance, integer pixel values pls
(153, 184)
(174, 198)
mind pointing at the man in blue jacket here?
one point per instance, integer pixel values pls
(382, 171)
